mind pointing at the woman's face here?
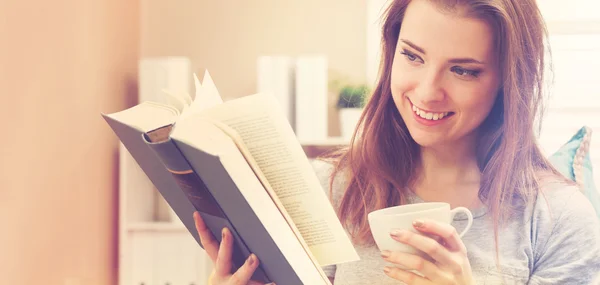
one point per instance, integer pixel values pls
(444, 76)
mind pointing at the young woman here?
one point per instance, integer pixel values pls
(452, 120)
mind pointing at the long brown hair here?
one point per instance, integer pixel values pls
(382, 157)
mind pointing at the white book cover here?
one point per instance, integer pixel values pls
(311, 98)
(275, 75)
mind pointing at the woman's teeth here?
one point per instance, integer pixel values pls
(428, 115)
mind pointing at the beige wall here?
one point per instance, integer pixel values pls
(61, 64)
(226, 37)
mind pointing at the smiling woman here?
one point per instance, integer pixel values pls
(452, 119)
(448, 67)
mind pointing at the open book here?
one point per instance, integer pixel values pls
(240, 165)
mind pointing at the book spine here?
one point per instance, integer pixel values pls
(189, 182)
(242, 216)
(199, 195)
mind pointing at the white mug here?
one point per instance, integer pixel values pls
(382, 222)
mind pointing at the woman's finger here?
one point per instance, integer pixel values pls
(223, 264)
(445, 231)
(405, 276)
(244, 273)
(210, 245)
(252, 282)
(413, 262)
(427, 245)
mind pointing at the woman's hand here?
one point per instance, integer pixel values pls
(221, 258)
(449, 263)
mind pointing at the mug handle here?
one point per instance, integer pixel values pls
(466, 211)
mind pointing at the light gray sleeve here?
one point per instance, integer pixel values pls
(568, 246)
(329, 270)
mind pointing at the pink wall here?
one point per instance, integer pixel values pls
(61, 64)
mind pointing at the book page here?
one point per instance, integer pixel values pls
(248, 206)
(206, 96)
(270, 140)
(239, 143)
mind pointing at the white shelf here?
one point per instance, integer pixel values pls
(154, 245)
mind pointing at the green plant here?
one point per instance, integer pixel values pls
(353, 96)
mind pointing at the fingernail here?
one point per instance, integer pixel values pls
(223, 233)
(418, 223)
(387, 269)
(385, 254)
(251, 259)
(397, 233)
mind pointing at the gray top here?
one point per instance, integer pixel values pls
(555, 241)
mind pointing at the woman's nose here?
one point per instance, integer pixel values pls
(429, 89)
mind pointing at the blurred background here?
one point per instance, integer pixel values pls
(65, 216)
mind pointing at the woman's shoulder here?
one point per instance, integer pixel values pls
(561, 207)
(558, 197)
(559, 193)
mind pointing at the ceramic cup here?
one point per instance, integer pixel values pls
(383, 222)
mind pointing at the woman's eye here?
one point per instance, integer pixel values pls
(411, 57)
(465, 72)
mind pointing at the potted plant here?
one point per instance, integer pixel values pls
(351, 101)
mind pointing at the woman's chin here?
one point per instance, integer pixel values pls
(426, 140)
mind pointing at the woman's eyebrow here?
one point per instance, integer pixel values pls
(465, 60)
(412, 45)
(454, 60)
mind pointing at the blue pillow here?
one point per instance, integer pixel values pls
(573, 161)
